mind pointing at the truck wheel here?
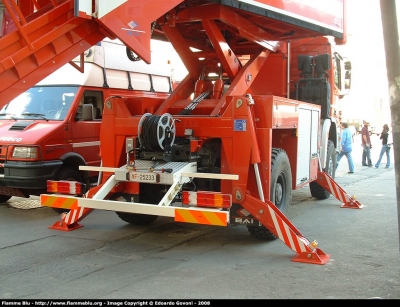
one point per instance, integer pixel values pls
(68, 174)
(4, 198)
(281, 191)
(137, 219)
(316, 190)
(147, 195)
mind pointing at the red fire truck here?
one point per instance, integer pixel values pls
(255, 118)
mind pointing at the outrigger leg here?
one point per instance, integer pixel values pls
(69, 220)
(275, 221)
(326, 181)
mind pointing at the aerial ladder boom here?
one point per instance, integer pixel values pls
(38, 37)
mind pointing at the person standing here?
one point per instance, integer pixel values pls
(386, 145)
(346, 142)
(366, 144)
(352, 130)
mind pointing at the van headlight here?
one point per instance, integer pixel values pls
(25, 152)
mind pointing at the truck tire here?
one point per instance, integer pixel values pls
(4, 198)
(137, 219)
(316, 190)
(147, 195)
(281, 191)
(68, 174)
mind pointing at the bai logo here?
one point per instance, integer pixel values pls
(10, 139)
(247, 221)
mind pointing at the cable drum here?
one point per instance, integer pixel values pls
(154, 130)
(140, 127)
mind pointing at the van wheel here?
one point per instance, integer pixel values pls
(4, 198)
(316, 190)
(67, 174)
(280, 191)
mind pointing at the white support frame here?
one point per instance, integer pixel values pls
(163, 208)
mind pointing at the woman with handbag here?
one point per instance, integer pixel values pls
(386, 145)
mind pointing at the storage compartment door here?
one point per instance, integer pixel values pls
(307, 143)
(304, 144)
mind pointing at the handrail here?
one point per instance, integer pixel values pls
(18, 20)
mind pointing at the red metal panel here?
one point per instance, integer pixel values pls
(272, 77)
(264, 138)
(131, 23)
(26, 7)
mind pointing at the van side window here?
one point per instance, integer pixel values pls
(94, 98)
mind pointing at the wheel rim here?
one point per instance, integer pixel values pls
(279, 190)
(330, 166)
(165, 121)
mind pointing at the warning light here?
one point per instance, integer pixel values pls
(65, 187)
(207, 199)
(314, 244)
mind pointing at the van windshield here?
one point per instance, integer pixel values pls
(41, 102)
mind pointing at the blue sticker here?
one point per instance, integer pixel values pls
(240, 125)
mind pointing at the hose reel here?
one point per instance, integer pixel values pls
(156, 133)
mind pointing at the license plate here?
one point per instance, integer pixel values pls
(144, 177)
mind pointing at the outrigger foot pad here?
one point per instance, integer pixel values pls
(315, 257)
(61, 225)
